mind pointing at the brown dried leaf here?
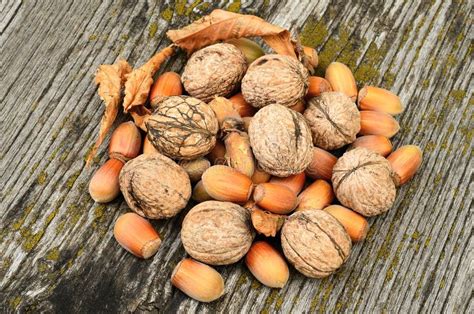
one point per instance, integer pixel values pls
(222, 25)
(140, 115)
(110, 78)
(140, 80)
(265, 222)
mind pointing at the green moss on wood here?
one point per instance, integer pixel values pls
(234, 6)
(20, 221)
(314, 33)
(72, 179)
(41, 179)
(92, 37)
(53, 254)
(14, 302)
(33, 168)
(191, 7)
(31, 240)
(152, 29)
(167, 14)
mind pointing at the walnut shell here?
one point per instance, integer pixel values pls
(334, 120)
(154, 186)
(217, 233)
(183, 127)
(281, 140)
(275, 79)
(363, 180)
(215, 70)
(315, 243)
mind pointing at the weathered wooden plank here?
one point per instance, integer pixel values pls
(57, 247)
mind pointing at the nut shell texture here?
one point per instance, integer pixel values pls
(315, 243)
(363, 181)
(215, 70)
(281, 140)
(275, 79)
(217, 233)
(334, 120)
(154, 186)
(183, 127)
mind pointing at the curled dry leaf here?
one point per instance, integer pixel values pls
(140, 115)
(222, 25)
(110, 78)
(140, 80)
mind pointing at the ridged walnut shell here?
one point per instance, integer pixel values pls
(275, 79)
(183, 127)
(315, 243)
(215, 70)
(217, 233)
(281, 140)
(363, 181)
(154, 186)
(334, 120)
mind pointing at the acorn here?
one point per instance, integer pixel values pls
(224, 183)
(276, 198)
(135, 234)
(267, 265)
(356, 225)
(167, 84)
(378, 123)
(294, 182)
(197, 280)
(405, 162)
(125, 142)
(104, 185)
(317, 195)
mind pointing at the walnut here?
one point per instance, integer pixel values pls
(217, 233)
(215, 70)
(275, 79)
(183, 127)
(334, 120)
(154, 186)
(364, 181)
(281, 140)
(315, 243)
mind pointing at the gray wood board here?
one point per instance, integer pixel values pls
(56, 244)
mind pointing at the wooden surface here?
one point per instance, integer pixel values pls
(56, 244)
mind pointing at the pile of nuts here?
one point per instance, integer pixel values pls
(251, 144)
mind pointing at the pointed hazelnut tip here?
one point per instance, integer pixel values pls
(150, 248)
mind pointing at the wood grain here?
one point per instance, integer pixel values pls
(58, 252)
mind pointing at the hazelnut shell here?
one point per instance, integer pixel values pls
(364, 181)
(154, 186)
(217, 233)
(275, 79)
(215, 70)
(315, 243)
(334, 120)
(183, 127)
(281, 140)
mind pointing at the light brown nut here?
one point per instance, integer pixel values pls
(215, 70)
(341, 79)
(379, 99)
(377, 143)
(154, 186)
(167, 84)
(405, 162)
(321, 164)
(195, 168)
(315, 243)
(217, 233)
(355, 224)
(334, 120)
(183, 127)
(364, 181)
(104, 184)
(378, 123)
(267, 265)
(281, 140)
(275, 79)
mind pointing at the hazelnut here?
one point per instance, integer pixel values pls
(217, 233)
(154, 186)
(364, 181)
(315, 243)
(281, 140)
(334, 120)
(275, 79)
(183, 127)
(215, 70)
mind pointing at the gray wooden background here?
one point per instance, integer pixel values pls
(57, 252)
